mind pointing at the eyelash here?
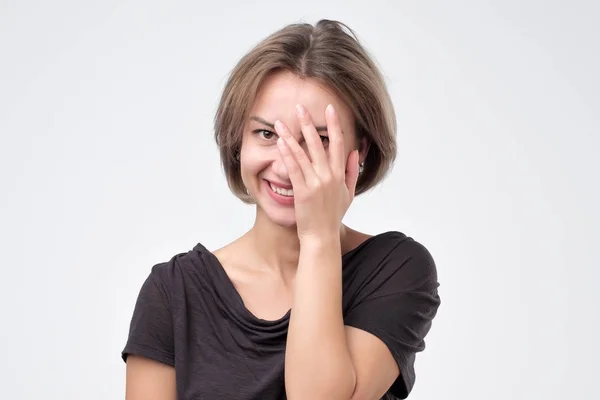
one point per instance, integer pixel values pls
(263, 131)
(324, 139)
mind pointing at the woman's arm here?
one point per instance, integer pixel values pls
(147, 379)
(320, 360)
(324, 358)
(318, 364)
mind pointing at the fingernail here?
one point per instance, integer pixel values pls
(330, 109)
(300, 110)
(278, 125)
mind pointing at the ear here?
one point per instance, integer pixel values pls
(363, 149)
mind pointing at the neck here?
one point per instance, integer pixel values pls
(278, 247)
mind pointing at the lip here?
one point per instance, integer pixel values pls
(282, 200)
(286, 186)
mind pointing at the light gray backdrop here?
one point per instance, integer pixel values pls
(109, 167)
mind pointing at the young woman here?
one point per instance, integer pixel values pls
(301, 306)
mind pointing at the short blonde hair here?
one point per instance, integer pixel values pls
(330, 53)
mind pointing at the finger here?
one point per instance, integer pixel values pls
(291, 165)
(297, 152)
(336, 141)
(312, 138)
(352, 172)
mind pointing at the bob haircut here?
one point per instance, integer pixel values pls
(330, 53)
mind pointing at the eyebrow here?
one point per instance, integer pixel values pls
(272, 126)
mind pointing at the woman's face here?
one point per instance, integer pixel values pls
(261, 165)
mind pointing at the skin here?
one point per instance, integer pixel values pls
(299, 135)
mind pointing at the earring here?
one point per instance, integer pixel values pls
(361, 167)
(237, 156)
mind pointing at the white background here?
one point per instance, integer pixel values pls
(108, 166)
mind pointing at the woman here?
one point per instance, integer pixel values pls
(301, 306)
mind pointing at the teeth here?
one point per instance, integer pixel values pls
(283, 192)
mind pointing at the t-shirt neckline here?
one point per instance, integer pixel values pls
(235, 299)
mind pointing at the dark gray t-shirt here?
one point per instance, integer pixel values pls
(189, 315)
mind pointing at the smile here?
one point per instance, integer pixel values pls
(281, 191)
(282, 196)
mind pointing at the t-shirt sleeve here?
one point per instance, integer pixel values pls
(151, 327)
(397, 304)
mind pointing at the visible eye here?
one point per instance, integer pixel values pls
(324, 139)
(264, 134)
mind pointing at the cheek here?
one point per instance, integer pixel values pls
(349, 146)
(252, 162)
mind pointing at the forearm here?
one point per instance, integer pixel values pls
(317, 361)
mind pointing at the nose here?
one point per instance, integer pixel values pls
(279, 169)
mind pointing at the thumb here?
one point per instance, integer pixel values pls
(352, 172)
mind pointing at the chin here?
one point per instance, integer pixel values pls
(285, 217)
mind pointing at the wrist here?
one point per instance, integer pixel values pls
(321, 242)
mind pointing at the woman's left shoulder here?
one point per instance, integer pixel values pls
(396, 243)
(393, 251)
